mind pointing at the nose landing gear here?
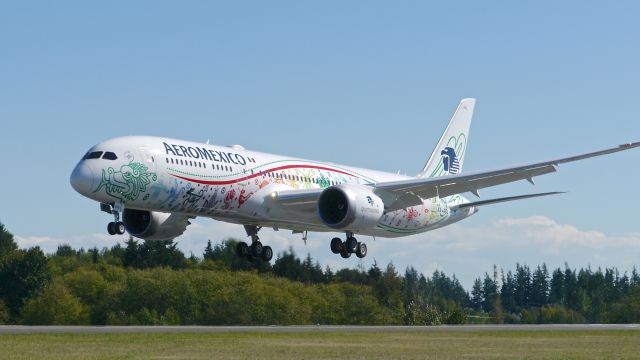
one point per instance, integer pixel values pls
(116, 226)
(348, 247)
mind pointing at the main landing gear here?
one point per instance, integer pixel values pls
(348, 247)
(116, 226)
(255, 251)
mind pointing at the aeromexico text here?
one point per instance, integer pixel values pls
(203, 153)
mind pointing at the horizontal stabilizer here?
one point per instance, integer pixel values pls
(509, 198)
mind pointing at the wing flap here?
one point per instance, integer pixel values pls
(504, 199)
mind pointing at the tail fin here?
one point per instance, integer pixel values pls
(448, 156)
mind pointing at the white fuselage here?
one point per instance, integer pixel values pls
(234, 185)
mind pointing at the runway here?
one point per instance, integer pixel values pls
(19, 329)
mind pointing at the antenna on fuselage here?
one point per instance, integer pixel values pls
(207, 141)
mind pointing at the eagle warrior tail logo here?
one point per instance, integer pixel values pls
(450, 160)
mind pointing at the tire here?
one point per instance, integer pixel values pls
(345, 254)
(256, 249)
(120, 229)
(111, 228)
(362, 250)
(351, 244)
(267, 253)
(336, 245)
(242, 249)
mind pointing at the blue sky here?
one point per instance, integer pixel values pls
(369, 84)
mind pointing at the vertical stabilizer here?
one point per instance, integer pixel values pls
(448, 156)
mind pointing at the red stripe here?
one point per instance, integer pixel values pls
(227, 182)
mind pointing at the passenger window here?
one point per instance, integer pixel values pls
(93, 155)
(109, 156)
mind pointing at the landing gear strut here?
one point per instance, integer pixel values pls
(116, 226)
(254, 251)
(348, 247)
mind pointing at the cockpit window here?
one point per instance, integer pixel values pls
(93, 155)
(109, 156)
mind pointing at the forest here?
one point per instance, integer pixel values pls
(154, 283)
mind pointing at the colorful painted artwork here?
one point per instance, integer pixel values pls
(128, 183)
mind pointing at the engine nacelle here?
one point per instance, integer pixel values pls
(350, 207)
(152, 225)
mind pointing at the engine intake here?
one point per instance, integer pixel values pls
(351, 207)
(151, 225)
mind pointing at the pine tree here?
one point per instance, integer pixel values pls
(539, 287)
(410, 286)
(556, 291)
(131, 254)
(477, 295)
(7, 244)
(570, 288)
(490, 292)
(635, 277)
(507, 292)
(522, 290)
(208, 251)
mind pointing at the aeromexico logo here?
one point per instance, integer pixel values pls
(451, 156)
(450, 160)
(204, 154)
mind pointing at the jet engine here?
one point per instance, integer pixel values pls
(152, 225)
(350, 207)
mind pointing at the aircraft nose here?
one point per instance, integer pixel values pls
(82, 178)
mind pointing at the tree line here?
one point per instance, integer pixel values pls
(153, 283)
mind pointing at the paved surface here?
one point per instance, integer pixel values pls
(293, 329)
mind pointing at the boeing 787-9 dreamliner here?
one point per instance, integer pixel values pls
(153, 186)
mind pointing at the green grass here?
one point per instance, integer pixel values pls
(312, 345)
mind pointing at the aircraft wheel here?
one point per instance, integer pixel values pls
(256, 249)
(267, 253)
(336, 245)
(119, 228)
(361, 251)
(111, 228)
(242, 249)
(345, 254)
(351, 244)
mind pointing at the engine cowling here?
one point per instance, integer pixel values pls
(350, 207)
(152, 225)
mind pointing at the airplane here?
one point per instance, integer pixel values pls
(154, 186)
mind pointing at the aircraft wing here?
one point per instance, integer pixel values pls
(404, 193)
